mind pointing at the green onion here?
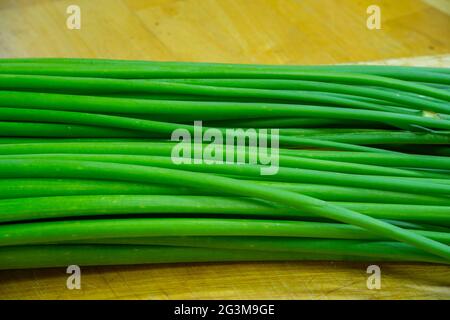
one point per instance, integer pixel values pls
(21, 257)
(86, 169)
(87, 174)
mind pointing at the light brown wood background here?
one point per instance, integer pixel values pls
(240, 31)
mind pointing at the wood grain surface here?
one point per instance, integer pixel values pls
(253, 31)
(241, 31)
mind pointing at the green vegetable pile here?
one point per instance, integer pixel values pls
(87, 178)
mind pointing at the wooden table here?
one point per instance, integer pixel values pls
(240, 31)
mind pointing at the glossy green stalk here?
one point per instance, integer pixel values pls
(287, 91)
(52, 207)
(250, 171)
(160, 70)
(206, 110)
(388, 160)
(46, 256)
(166, 160)
(33, 129)
(165, 129)
(63, 231)
(107, 171)
(34, 188)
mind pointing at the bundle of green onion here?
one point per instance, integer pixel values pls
(87, 175)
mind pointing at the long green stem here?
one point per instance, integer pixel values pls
(62, 231)
(239, 89)
(101, 170)
(389, 160)
(88, 175)
(285, 174)
(35, 208)
(32, 188)
(206, 110)
(172, 70)
(152, 127)
(21, 257)
(165, 159)
(32, 129)
(376, 250)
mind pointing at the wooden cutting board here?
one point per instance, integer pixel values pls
(247, 31)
